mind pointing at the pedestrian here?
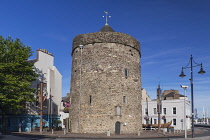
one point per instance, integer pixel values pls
(20, 124)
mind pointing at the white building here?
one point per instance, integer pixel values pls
(64, 110)
(52, 87)
(52, 90)
(172, 110)
(145, 95)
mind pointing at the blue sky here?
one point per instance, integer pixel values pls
(169, 32)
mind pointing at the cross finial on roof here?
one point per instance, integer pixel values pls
(106, 17)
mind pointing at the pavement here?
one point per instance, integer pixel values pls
(146, 134)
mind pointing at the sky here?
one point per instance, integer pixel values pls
(169, 32)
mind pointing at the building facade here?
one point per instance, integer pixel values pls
(105, 83)
(172, 110)
(52, 88)
(29, 119)
(145, 95)
(64, 111)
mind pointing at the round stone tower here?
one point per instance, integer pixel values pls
(105, 83)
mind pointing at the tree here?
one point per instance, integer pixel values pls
(16, 75)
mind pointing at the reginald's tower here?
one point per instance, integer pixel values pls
(105, 83)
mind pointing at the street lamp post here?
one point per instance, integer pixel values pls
(184, 119)
(191, 84)
(80, 86)
(41, 107)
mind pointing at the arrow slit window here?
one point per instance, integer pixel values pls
(126, 73)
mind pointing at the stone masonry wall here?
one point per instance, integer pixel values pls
(99, 85)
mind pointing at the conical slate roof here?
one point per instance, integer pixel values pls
(106, 28)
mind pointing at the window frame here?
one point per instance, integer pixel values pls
(164, 121)
(155, 121)
(146, 111)
(174, 110)
(126, 72)
(164, 110)
(174, 121)
(155, 110)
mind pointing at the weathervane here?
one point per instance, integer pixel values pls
(106, 17)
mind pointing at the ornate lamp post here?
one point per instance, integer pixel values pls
(191, 83)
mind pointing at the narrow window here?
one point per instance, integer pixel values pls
(155, 110)
(155, 121)
(118, 110)
(124, 99)
(126, 73)
(164, 110)
(90, 99)
(174, 110)
(174, 121)
(164, 120)
(146, 111)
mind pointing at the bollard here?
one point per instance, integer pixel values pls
(64, 131)
(139, 133)
(108, 133)
(52, 131)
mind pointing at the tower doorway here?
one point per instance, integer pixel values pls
(117, 128)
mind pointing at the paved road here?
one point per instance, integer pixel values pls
(198, 136)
